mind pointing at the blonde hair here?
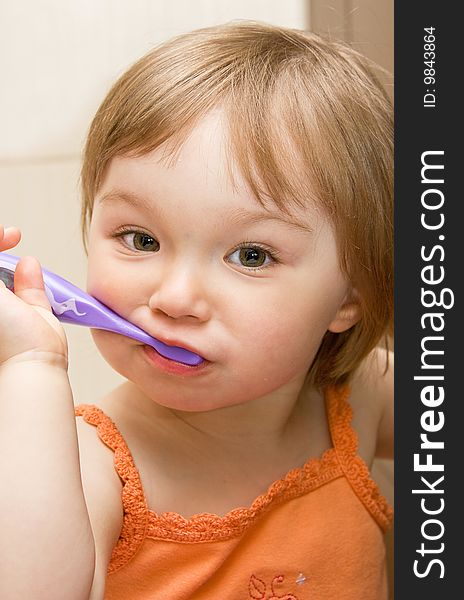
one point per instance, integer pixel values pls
(308, 121)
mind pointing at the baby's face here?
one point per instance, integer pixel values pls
(196, 262)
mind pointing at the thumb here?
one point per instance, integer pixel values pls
(29, 284)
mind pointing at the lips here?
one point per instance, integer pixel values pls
(183, 351)
(173, 367)
(177, 353)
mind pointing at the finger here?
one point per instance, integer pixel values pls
(28, 282)
(9, 237)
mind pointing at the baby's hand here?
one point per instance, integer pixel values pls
(28, 329)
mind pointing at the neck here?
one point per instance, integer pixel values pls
(268, 420)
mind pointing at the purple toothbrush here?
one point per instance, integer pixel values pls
(72, 305)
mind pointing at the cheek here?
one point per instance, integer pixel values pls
(117, 351)
(108, 285)
(108, 349)
(280, 342)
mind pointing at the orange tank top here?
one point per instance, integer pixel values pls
(316, 534)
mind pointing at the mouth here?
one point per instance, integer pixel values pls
(175, 367)
(178, 353)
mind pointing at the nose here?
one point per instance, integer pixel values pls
(180, 294)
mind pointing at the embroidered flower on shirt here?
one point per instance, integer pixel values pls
(258, 589)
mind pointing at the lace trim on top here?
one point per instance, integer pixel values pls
(206, 527)
(335, 462)
(345, 441)
(134, 527)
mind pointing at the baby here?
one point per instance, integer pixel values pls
(237, 200)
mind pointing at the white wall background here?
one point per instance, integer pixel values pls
(58, 58)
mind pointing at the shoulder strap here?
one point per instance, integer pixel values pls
(135, 508)
(345, 441)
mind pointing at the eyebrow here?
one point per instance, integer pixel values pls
(245, 217)
(125, 198)
(236, 215)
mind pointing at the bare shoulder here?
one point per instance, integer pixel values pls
(102, 489)
(372, 402)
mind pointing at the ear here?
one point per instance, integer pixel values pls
(348, 313)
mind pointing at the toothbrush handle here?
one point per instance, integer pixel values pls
(72, 305)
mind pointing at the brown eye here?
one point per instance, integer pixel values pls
(252, 257)
(144, 242)
(138, 240)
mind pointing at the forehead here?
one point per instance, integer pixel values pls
(199, 166)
